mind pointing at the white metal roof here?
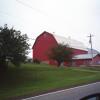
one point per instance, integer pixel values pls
(93, 50)
(84, 56)
(71, 42)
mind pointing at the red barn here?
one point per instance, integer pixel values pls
(46, 41)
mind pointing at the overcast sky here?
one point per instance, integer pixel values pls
(74, 18)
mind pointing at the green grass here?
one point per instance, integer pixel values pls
(31, 78)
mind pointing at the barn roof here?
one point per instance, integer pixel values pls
(68, 41)
(93, 50)
(84, 56)
(71, 42)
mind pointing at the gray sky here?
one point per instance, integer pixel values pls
(74, 18)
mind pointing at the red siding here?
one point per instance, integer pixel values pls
(96, 60)
(52, 62)
(82, 62)
(77, 52)
(79, 62)
(42, 46)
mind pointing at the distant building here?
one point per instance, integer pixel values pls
(46, 41)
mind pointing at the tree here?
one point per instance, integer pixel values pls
(13, 46)
(61, 53)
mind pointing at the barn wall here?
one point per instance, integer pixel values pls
(77, 52)
(96, 60)
(79, 62)
(42, 46)
(52, 62)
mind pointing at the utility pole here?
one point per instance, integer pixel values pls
(90, 41)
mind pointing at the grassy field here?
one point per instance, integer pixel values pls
(31, 79)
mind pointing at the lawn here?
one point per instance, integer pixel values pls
(30, 79)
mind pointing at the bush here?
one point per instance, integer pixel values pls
(36, 61)
(29, 60)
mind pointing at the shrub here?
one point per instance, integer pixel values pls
(36, 61)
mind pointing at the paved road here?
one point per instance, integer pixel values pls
(75, 93)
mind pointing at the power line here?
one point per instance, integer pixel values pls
(19, 19)
(29, 6)
(7, 14)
